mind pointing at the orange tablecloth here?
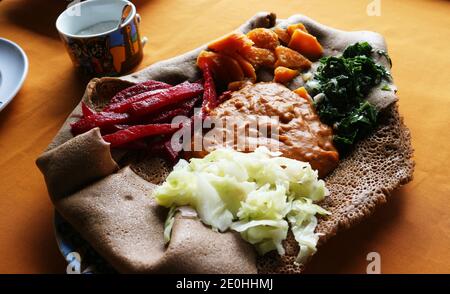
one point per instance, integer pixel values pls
(411, 232)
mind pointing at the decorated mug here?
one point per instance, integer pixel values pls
(99, 41)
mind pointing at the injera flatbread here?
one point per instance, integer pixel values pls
(362, 181)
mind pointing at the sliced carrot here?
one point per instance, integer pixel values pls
(225, 68)
(290, 58)
(306, 44)
(231, 43)
(264, 38)
(302, 93)
(292, 28)
(283, 35)
(258, 56)
(284, 74)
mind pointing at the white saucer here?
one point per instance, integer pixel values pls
(13, 70)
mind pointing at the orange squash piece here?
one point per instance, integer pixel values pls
(290, 58)
(231, 43)
(264, 38)
(235, 86)
(283, 35)
(224, 68)
(247, 67)
(301, 91)
(292, 28)
(284, 75)
(306, 44)
(258, 56)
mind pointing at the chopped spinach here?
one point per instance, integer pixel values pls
(358, 49)
(345, 81)
(355, 124)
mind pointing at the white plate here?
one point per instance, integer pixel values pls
(13, 70)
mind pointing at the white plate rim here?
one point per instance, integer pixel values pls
(24, 74)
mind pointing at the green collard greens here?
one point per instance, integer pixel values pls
(340, 86)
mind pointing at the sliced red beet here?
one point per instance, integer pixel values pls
(100, 119)
(86, 110)
(125, 105)
(165, 116)
(139, 144)
(138, 89)
(224, 97)
(105, 130)
(209, 95)
(174, 95)
(170, 152)
(137, 132)
(164, 147)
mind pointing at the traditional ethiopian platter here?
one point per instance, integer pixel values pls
(242, 156)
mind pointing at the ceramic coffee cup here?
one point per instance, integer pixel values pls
(98, 43)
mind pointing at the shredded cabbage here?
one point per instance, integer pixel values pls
(266, 235)
(258, 194)
(168, 224)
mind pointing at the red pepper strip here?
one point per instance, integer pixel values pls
(138, 89)
(183, 109)
(209, 95)
(100, 119)
(125, 105)
(174, 95)
(137, 132)
(86, 110)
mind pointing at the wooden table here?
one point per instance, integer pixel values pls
(411, 232)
